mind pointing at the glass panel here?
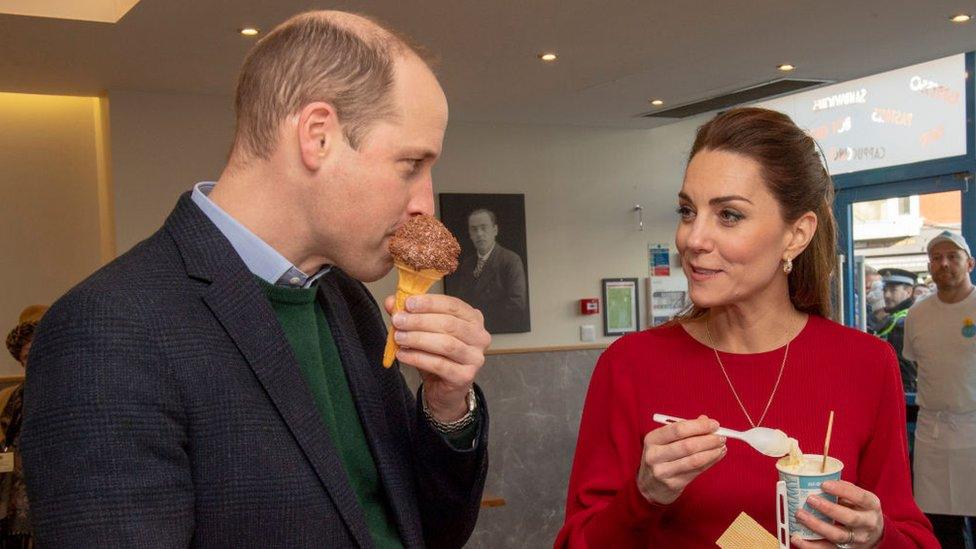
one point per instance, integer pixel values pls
(904, 205)
(897, 117)
(891, 264)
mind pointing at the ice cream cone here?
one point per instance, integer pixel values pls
(409, 282)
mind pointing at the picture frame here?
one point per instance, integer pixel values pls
(621, 306)
(492, 274)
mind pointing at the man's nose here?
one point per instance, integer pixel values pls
(422, 197)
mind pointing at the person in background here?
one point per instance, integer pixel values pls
(221, 383)
(874, 301)
(492, 280)
(920, 292)
(756, 238)
(871, 275)
(940, 335)
(898, 287)
(15, 525)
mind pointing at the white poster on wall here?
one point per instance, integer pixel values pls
(666, 297)
(897, 117)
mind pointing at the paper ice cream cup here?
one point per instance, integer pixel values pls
(795, 485)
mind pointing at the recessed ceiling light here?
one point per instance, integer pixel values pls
(250, 31)
(785, 67)
(548, 57)
(657, 102)
(960, 18)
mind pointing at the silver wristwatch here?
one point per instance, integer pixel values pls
(456, 425)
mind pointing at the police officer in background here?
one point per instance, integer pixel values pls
(898, 286)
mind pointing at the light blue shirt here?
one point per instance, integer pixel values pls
(259, 257)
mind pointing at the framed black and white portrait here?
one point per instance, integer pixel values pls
(493, 274)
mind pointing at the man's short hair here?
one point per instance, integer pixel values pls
(342, 59)
(491, 214)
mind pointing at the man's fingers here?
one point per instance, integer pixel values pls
(453, 374)
(680, 430)
(468, 332)
(389, 303)
(443, 304)
(446, 346)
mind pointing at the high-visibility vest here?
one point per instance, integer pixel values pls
(892, 321)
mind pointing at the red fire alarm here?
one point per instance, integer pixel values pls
(590, 306)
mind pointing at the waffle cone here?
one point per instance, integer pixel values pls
(409, 282)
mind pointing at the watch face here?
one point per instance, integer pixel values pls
(472, 400)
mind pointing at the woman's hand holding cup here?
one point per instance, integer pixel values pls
(858, 516)
(676, 454)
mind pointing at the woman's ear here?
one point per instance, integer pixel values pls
(801, 233)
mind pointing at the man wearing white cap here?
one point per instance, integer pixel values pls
(940, 335)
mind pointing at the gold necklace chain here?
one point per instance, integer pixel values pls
(735, 393)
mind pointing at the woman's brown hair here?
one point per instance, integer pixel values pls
(794, 173)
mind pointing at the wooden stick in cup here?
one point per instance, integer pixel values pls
(830, 426)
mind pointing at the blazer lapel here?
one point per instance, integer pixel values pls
(243, 310)
(363, 372)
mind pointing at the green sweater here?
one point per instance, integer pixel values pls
(307, 330)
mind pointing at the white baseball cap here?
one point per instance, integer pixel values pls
(947, 236)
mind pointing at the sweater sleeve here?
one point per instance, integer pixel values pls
(883, 468)
(604, 508)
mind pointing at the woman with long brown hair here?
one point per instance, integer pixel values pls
(756, 237)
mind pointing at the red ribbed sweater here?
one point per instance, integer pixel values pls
(664, 370)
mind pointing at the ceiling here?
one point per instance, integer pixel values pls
(613, 54)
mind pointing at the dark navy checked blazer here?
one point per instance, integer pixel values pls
(165, 408)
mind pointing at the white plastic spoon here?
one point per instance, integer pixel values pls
(770, 442)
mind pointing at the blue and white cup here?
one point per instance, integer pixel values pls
(795, 485)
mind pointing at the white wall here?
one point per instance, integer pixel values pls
(48, 202)
(161, 145)
(580, 186)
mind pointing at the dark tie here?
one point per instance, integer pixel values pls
(479, 267)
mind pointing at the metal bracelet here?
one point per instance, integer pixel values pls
(452, 426)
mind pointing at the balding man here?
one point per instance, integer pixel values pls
(220, 385)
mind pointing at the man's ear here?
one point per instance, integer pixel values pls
(318, 130)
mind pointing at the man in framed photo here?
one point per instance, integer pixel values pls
(492, 279)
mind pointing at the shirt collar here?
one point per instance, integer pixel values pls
(487, 254)
(259, 257)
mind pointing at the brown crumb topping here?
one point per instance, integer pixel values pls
(425, 243)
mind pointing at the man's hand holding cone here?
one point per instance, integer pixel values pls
(441, 336)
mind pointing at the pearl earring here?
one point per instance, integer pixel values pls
(787, 265)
